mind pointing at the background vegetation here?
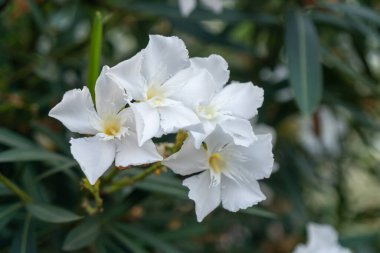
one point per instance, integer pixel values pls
(327, 146)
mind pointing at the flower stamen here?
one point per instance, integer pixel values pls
(111, 126)
(216, 163)
(206, 111)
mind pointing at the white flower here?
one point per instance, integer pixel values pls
(323, 133)
(229, 106)
(111, 124)
(145, 78)
(321, 239)
(227, 173)
(187, 6)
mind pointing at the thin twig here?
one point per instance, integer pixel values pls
(127, 181)
(15, 189)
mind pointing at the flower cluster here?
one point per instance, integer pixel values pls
(159, 91)
(321, 239)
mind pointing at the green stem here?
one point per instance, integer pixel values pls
(94, 190)
(130, 181)
(15, 189)
(95, 52)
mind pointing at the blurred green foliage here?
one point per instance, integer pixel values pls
(328, 158)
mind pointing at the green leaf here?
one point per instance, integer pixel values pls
(58, 140)
(361, 81)
(60, 168)
(51, 214)
(259, 212)
(38, 17)
(355, 10)
(127, 242)
(21, 155)
(161, 188)
(24, 241)
(7, 213)
(82, 235)
(14, 140)
(303, 52)
(148, 238)
(172, 11)
(95, 52)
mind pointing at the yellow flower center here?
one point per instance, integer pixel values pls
(111, 126)
(216, 163)
(157, 95)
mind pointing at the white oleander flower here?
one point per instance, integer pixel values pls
(145, 79)
(229, 106)
(187, 6)
(111, 124)
(324, 134)
(227, 173)
(321, 239)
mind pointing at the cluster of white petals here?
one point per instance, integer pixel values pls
(187, 6)
(321, 239)
(159, 91)
(227, 173)
(111, 125)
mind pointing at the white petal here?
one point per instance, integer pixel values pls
(214, 5)
(321, 235)
(217, 140)
(163, 57)
(129, 76)
(300, 249)
(129, 153)
(240, 130)
(93, 155)
(110, 98)
(192, 86)
(215, 65)
(147, 121)
(76, 111)
(237, 194)
(186, 6)
(187, 160)
(200, 136)
(250, 163)
(176, 117)
(206, 198)
(265, 129)
(128, 118)
(240, 99)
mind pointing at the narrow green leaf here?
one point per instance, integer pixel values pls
(354, 10)
(37, 15)
(60, 168)
(82, 235)
(161, 188)
(259, 212)
(95, 52)
(148, 238)
(127, 242)
(51, 214)
(11, 139)
(303, 52)
(15, 189)
(24, 241)
(362, 82)
(7, 213)
(165, 183)
(21, 155)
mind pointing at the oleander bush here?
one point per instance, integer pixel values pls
(305, 73)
